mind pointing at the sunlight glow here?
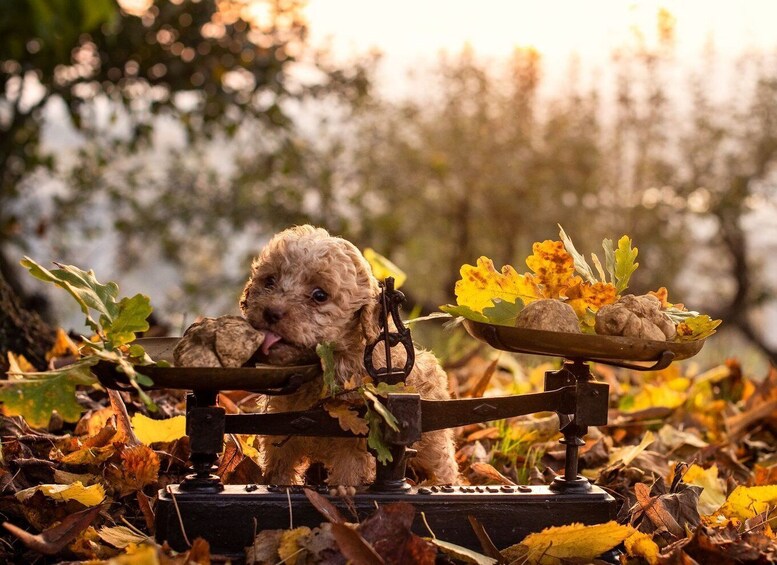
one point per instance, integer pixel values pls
(590, 28)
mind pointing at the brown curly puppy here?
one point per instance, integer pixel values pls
(308, 287)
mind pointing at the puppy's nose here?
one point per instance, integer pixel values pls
(272, 315)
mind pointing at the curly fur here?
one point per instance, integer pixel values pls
(279, 297)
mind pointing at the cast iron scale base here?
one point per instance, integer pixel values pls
(228, 516)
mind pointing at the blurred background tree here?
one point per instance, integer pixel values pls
(122, 75)
(199, 128)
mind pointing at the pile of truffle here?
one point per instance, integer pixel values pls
(630, 316)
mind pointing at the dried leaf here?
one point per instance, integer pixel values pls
(642, 545)
(121, 536)
(348, 418)
(354, 547)
(462, 554)
(629, 453)
(63, 346)
(149, 431)
(140, 466)
(714, 494)
(671, 513)
(18, 364)
(55, 539)
(581, 266)
(574, 542)
(88, 496)
(292, 541)
(746, 502)
(326, 508)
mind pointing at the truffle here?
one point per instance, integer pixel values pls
(549, 315)
(635, 316)
(227, 341)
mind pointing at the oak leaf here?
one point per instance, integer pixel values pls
(348, 418)
(585, 296)
(696, 327)
(553, 266)
(480, 285)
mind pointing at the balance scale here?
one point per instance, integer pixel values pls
(229, 516)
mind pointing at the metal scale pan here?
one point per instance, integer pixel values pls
(612, 350)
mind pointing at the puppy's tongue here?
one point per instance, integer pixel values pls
(270, 339)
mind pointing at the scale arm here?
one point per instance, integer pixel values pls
(441, 414)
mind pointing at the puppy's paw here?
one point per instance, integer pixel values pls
(342, 491)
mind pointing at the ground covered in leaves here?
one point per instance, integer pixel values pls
(689, 453)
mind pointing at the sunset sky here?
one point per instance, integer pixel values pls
(415, 31)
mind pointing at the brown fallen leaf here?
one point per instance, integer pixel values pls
(326, 508)
(486, 474)
(355, 548)
(53, 540)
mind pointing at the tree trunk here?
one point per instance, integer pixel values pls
(22, 331)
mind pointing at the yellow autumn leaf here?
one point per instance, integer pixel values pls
(553, 266)
(143, 554)
(88, 496)
(63, 346)
(121, 536)
(746, 502)
(248, 445)
(383, 267)
(628, 453)
(18, 364)
(714, 494)
(553, 545)
(642, 545)
(150, 431)
(652, 396)
(583, 295)
(480, 285)
(291, 543)
(698, 327)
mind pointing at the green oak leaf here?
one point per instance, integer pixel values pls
(325, 352)
(503, 312)
(696, 327)
(131, 318)
(625, 264)
(84, 287)
(36, 395)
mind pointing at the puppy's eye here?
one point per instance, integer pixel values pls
(319, 295)
(269, 282)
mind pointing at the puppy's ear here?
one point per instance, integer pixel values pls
(244, 297)
(368, 319)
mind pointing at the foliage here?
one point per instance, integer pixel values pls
(485, 295)
(115, 322)
(173, 81)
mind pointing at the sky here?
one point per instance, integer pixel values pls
(415, 31)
